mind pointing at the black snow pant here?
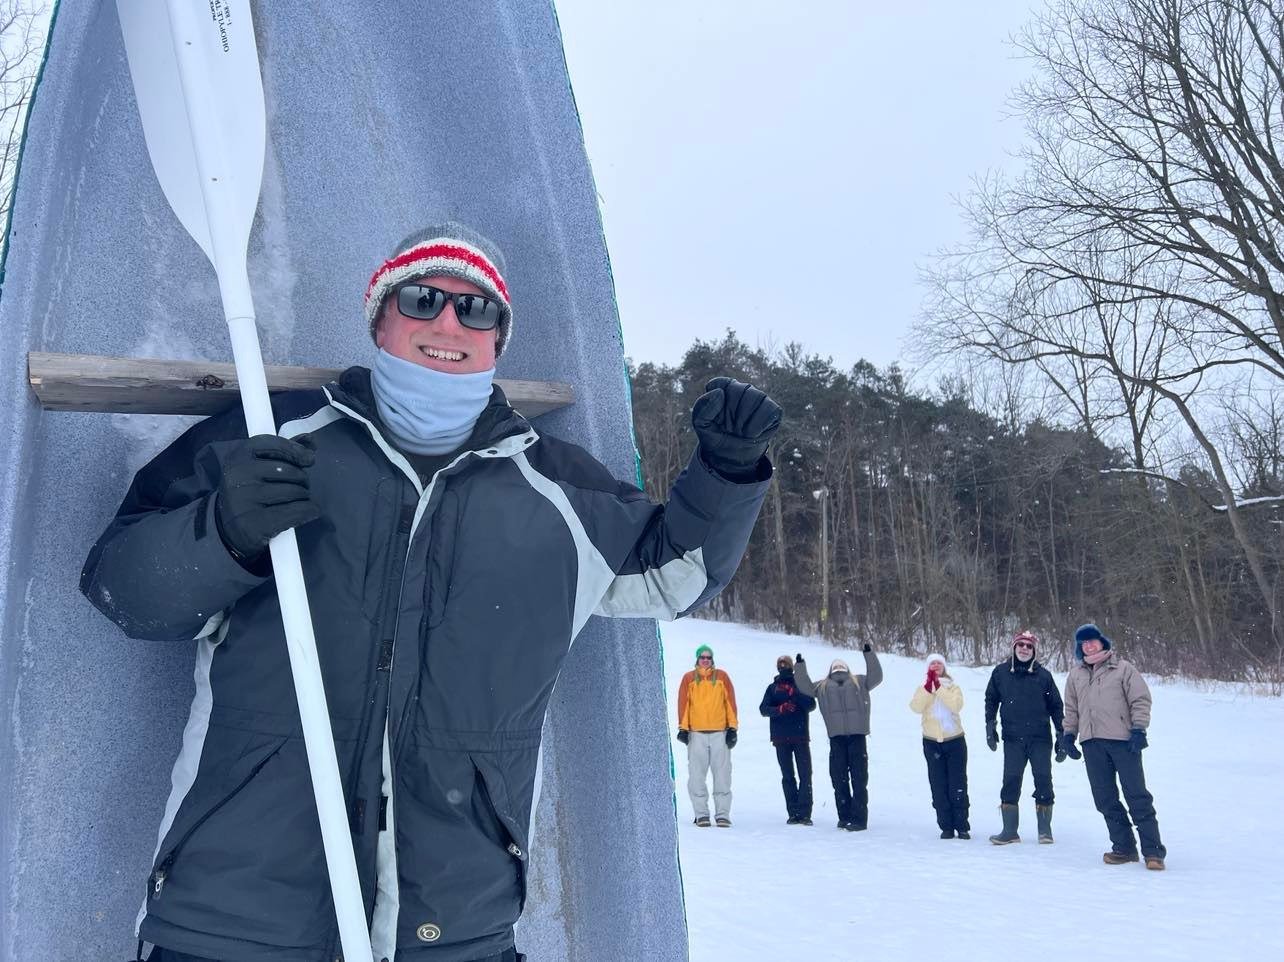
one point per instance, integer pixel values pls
(849, 773)
(1018, 751)
(947, 774)
(168, 955)
(797, 788)
(1106, 758)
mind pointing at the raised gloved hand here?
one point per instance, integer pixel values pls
(734, 422)
(1137, 741)
(263, 491)
(933, 682)
(866, 647)
(731, 738)
(684, 736)
(797, 658)
(788, 708)
(992, 735)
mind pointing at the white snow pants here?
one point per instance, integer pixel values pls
(705, 751)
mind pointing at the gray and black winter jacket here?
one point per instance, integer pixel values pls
(443, 612)
(843, 697)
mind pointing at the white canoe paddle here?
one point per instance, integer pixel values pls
(195, 69)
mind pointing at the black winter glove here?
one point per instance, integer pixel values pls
(731, 738)
(263, 492)
(1137, 741)
(684, 736)
(1067, 743)
(866, 647)
(734, 422)
(992, 735)
(1060, 747)
(798, 657)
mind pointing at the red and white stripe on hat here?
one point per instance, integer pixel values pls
(440, 257)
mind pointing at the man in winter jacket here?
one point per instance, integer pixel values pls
(451, 554)
(1108, 708)
(707, 725)
(844, 704)
(1025, 694)
(787, 707)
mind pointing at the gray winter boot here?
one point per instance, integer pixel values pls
(1044, 814)
(1011, 816)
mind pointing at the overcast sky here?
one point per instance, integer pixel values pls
(784, 169)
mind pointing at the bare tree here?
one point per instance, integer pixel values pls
(1138, 256)
(22, 37)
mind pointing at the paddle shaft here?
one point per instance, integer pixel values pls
(214, 59)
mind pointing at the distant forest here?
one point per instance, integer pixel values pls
(921, 522)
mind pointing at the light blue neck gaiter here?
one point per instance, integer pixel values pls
(427, 411)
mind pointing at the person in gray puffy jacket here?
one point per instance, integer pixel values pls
(845, 706)
(451, 552)
(1107, 706)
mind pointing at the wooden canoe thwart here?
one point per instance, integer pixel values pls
(130, 385)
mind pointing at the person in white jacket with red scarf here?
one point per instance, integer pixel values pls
(939, 701)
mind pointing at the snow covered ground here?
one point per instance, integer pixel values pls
(764, 890)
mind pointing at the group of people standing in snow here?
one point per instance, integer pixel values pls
(1106, 709)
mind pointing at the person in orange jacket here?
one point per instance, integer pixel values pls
(707, 725)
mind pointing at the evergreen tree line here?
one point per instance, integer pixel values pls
(919, 522)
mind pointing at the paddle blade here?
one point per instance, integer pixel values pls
(195, 68)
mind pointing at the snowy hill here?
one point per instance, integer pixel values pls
(764, 890)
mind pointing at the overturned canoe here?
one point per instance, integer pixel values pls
(380, 119)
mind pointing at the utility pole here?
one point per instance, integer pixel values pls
(822, 495)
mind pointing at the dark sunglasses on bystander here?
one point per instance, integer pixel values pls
(422, 302)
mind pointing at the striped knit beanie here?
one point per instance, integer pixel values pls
(444, 250)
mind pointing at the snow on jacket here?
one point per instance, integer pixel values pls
(707, 701)
(443, 613)
(1106, 700)
(843, 697)
(1025, 696)
(788, 727)
(940, 710)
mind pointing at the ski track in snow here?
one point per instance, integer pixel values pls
(766, 890)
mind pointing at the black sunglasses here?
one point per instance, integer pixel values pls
(1024, 644)
(423, 303)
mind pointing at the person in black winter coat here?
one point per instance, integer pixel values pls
(451, 554)
(1025, 694)
(787, 707)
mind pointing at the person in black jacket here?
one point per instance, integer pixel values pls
(451, 554)
(1025, 694)
(787, 707)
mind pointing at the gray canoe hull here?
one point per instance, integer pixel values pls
(380, 120)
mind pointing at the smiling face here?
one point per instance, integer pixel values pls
(442, 344)
(1092, 646)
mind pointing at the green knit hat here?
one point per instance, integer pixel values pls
(703, 649)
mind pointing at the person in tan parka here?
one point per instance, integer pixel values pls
(1107, 706)
(938, 700)
(707, 724)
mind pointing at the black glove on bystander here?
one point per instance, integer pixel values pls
(1137, 741)
(734, 422)
(1067, 745)
(684, 736)
(731, 738)
(992, 735)
(263, 491)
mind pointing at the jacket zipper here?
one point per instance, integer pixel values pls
(156, 881)
(381, 663)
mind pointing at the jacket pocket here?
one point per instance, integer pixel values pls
(512, 828)
(461, 845)
(248, 863)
